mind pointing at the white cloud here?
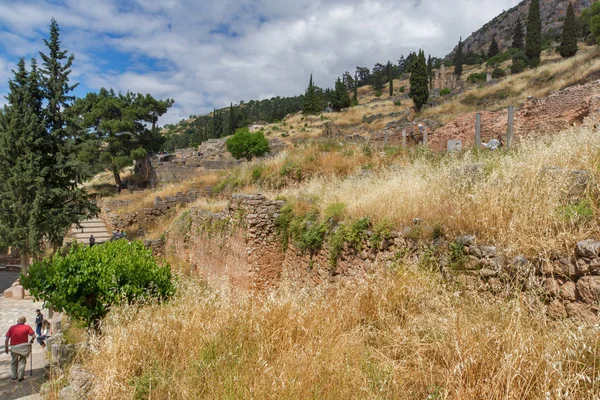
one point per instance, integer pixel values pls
(277, 44)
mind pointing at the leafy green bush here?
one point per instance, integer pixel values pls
(498, 73)
(397, 103)
(499, 59)
(477, 78)
(335, 212)
(85, 282)
(244, 144)
(378, 93)
(402, 89)
(445, 91)
(581, 211)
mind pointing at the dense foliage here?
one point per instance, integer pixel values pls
(340, 98)
(494, 48)
(120, 124)
(313, 103)
(38, 178)
(244, 144)
(533, 44)
(85, 282)
(419, 88)
(458, 59)
(568, 44)
(518, 39)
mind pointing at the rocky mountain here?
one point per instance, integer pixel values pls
(552, 12)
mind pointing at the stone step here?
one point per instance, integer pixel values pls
(89, 224)
(86, 236)
(98, 229)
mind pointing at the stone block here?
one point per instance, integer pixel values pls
(589, 289)
(595, 265)
(556, 309)
(551, 286)
(465, 240)
(568, 291)
(564, 267)
(8, 293)
(588, 248)
(581, 312)
(488, 251)
(17, 292)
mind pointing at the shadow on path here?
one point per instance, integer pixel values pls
(11, 390)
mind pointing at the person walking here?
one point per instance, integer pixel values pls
(92, 240)
(39, 318)
(46, 333)
(20, 347)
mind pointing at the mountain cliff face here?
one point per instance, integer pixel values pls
(552, 12)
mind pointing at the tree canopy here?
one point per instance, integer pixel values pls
(39, 195)
(419, 89)
(121, 123)
(568, 44)
(533, 43)
(245, 144)
(86, 281)
(458, 59)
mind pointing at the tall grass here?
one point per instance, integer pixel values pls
(400, 334)
(505, 198)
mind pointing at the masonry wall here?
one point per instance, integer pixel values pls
(241, 246)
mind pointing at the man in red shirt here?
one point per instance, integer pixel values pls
(20, 347)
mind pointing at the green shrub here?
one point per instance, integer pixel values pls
(477, 78)
(498, 73)
(352, 233)
(257, 172)
(458, 257)
(85, 282)
(378, 93)
(581, 211)
(445, 91)
(244, 144)
(402, 89)
(499, 59)
(334, 212)
(397, 103)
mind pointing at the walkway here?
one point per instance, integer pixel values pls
(10, 310)
(95, 227)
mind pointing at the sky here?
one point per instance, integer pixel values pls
(206, 54)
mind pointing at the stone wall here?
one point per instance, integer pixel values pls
(238, 245)
(241, 246)
(162, 205)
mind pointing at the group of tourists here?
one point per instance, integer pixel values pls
(20, 337)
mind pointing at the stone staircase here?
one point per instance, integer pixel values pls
(95, 227)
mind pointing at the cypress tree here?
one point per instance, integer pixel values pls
(518, 37)
(419, 90)
(231, 120)
(355, 96)
(390, 78)
(66, 203)
(458, 59)
(533, 44)
(568, 44)
(494, 48)
(430, 71)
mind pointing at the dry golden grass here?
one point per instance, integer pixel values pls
(550, 77)
(397, 335)
(502, 197)
(145, 199)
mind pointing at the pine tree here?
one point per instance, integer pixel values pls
(419, 90)
(568, 44)
(533, 44)
(340, 98)
(311, 99)
(494, 48)
(458, 59)
(518, 37)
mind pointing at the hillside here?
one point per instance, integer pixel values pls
(552, 13)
